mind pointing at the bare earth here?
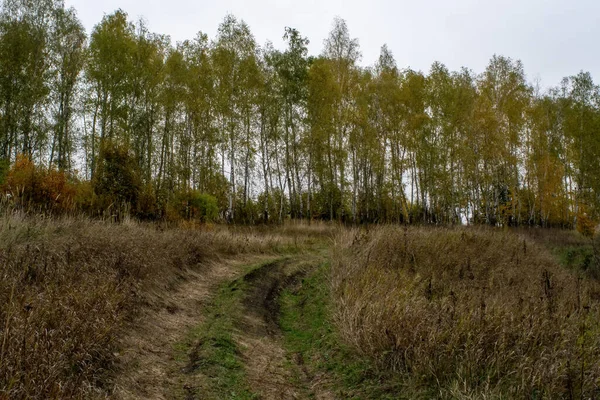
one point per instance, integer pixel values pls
(150, 370)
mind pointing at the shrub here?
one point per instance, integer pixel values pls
(84, 196)
(36, 188)
(206, 207)
(194, 206)
(248, 213)
(116, 181)
(148, 208)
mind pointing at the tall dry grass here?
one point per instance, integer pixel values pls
(467, 313)
(68, 287)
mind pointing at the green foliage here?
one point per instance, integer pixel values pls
(193, 205)
(579, 258)
(24, 83)
(116, 181)
(338, 141)
(4, 168)
(68, 45)
(248, 213)
(207, 207)
(109, 69)
(271, 207)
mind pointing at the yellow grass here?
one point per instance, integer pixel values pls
(467, 313)
(69, 286)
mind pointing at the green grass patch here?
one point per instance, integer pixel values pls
(210, 354)
(579, 258)
(310, 336)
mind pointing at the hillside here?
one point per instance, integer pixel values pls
(92, 309)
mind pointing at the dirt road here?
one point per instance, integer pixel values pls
(218, 336)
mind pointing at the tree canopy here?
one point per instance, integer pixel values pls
(272, 134)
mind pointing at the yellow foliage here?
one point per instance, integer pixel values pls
(35, 187)
(585, 225)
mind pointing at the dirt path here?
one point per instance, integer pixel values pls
(271, 373)
(151, 370)
(264, 356)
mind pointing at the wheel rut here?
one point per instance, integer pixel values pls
(272, 373)
(147, 367)
(234, 318)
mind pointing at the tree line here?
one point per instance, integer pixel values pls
(261, 134)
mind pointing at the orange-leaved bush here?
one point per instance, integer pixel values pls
(36, 188)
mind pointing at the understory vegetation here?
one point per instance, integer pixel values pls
(468, 313)
(409, 312)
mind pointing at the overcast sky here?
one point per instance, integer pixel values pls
(553, 38)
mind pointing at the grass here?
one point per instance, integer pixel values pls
(413, 313)
(574, 251)
(70, 287)
(467, 313)
(312, 340)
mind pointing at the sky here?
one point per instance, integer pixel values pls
(553, 38)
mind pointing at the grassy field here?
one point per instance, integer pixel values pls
(69, 289)
(467, 313)
(385, 313)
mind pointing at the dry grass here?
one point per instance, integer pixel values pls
(69, 286)
(467, 313)
(554, 237)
